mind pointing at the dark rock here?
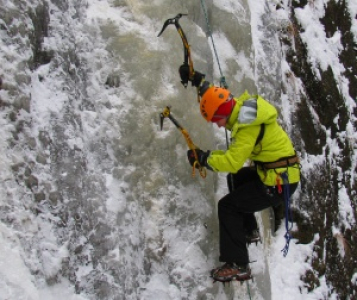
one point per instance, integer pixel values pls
(31, 182)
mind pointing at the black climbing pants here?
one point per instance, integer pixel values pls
(236, 212)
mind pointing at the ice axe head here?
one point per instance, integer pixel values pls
(174, 20)
(163, 115)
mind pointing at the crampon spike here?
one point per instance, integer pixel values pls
(161, 121)
(234, 279)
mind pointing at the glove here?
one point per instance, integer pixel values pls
(201, 156)
(184, 72)
(204, 87)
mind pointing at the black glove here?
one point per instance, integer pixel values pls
(184, 72)
(204, 87)
(201, 156)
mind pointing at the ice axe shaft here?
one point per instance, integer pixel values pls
(167, 114)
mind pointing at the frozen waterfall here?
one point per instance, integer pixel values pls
(96, 202)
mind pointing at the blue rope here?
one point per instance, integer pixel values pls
(288, 215)
(223, 82)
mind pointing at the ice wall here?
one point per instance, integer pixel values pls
(99, 196)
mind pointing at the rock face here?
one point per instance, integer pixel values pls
(324, 114)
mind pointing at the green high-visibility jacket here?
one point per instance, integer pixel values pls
(245, 125)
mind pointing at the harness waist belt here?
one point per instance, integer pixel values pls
(281, 163)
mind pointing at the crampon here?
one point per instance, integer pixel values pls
(231, 272)
(253, 237)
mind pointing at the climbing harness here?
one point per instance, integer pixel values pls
(167, 114)
(186, 47)
(281, 163)
(284, 162)
(223, 82)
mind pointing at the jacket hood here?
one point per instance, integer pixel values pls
(265, 112)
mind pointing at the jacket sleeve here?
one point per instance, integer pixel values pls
(243, 144)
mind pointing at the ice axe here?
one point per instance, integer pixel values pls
(166, 113)
(186, 47)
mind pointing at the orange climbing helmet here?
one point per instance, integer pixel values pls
(213, 98)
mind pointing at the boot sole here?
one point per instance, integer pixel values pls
(234, 277)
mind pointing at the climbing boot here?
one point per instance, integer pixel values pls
(253, 237)
(231, 271)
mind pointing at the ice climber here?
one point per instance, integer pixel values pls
(257, 136)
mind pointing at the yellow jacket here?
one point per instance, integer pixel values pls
(245, 125)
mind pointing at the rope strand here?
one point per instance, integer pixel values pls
(223, 82)
(288, 214)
